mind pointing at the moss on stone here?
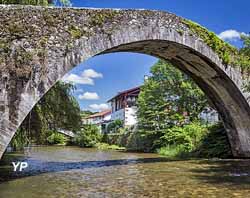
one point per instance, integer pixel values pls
(75, 32)
(4, 46)
(225, 51)
(181, 32)
(43, 41)
(100, 17)
(244, 62)
(24, 57)
(48, 18)
(42, 53)
(16, 29)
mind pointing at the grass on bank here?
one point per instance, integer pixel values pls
(172, 151)
(105, 146)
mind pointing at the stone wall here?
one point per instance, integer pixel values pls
(39, 45)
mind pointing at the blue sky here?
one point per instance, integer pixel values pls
(101, 77)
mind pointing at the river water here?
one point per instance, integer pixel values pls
(76, 172)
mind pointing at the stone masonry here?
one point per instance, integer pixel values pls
(38, 46)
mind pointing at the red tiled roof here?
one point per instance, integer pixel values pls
(102, 113)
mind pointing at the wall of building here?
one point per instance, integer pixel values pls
(130, 116)
(118, 115)
(209, 116)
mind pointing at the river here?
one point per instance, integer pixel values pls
(58, 172)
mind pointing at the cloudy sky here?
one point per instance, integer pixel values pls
(101, 77)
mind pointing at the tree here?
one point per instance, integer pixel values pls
(88, 136)
(243, 59)
(65, 3)
(246, 45)
(86, 113)
(115, 125)
(58, 109)
(168, 98)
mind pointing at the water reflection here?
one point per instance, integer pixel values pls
(76, 172)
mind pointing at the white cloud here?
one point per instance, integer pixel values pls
(89, 96)
(86, 78)
(230, 35)
(99, 107)
(90, 73)
(73, 78)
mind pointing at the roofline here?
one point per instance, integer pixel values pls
(123, 92)
(99, 114)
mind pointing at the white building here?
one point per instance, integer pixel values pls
(99, 119)
(123, 106)
(209, 116)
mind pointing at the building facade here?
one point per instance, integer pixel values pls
(123, 106)
(100, 119)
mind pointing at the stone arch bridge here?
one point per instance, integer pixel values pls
(38, 46)
(66, 132)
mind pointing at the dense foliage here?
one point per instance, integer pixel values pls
(88, 136)
(20, 139)
(214, 144)
(246, 45)
(86, 113)
(244, 56)
(105, 146)
(168, 99)
(56, 138)
(189, 136)
(114, 126)
(58, 109)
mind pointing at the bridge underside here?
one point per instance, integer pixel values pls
(35, 55)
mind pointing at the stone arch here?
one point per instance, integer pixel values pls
(35, 55)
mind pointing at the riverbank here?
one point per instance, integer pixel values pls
(105, 146)
(192, 141)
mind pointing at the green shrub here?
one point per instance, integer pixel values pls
(189, 136)
(132, 139)
(56, 138)
(214, 144)
(20, 140)
(195, 140)
(172, 150)
(115, 125)
(89, 136)
(104, 146)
